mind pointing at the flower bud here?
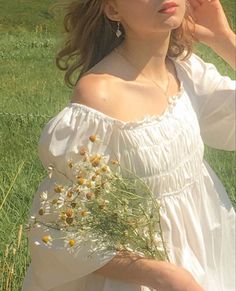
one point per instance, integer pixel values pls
(41, 211)
(83, 151)
(70, 164)
(90, 195)
(54, 201)
(93, 138)
(73, 204)
(69, 212)
(69, 220)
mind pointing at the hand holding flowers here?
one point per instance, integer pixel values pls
(103, 207)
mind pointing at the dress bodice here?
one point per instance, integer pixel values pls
(166, 148)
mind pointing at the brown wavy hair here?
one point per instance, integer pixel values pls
(91, 36)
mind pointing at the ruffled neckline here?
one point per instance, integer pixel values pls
(143, 121)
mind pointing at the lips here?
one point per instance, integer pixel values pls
(167, 5)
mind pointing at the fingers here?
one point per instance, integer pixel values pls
(197, 3)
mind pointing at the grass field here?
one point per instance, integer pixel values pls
(32, 91)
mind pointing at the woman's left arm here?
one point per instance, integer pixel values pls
(212, 28)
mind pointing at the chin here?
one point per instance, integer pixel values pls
(172, 23)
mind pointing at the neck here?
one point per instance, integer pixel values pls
(148, 55)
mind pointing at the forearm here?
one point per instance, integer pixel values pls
(158, 275)
(225, 46)
(132, 269)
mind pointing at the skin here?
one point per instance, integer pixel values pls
(161, 276)
(213, 29)
(113, 86)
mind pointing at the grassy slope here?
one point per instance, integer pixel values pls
(30, 83)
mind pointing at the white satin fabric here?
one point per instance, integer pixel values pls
(167, 152)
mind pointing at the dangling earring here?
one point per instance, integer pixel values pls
(118, 31)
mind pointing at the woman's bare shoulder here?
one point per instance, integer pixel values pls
(96, 91)
(99, 87)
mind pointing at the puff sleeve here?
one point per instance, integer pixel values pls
(61, 140)
(213, 98)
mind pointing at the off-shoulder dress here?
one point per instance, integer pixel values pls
(197, 217)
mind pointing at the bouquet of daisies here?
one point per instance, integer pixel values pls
(110, 206)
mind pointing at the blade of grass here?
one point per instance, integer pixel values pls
(12, 184)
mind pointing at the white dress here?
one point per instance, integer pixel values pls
(198, 219)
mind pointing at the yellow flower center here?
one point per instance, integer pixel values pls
(81, 181)
(58, 188)
(46, 239)
(69, 194)
(104, 168)
(71, 242)
(84, 213)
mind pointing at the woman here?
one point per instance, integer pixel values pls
(153, 102)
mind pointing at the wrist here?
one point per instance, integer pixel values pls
(225, 37)
(225, 46)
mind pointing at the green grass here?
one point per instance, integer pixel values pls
(25, 15)
(31, 84)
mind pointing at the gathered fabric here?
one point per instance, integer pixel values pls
(166, 151)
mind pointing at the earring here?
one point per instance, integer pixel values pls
(118, 31)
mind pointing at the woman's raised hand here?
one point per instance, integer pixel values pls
(210, 19)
